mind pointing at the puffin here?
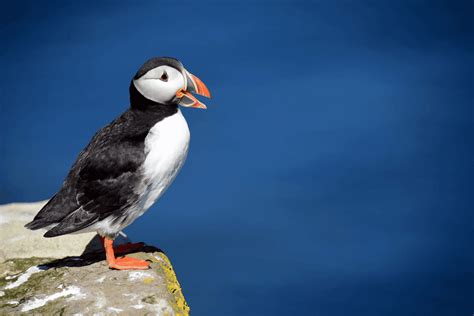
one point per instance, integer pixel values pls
(128, 164)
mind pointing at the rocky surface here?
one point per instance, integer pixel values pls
(34, 283)
(85, 285)
(19, 242)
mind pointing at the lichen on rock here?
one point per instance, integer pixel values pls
(73, 277)
(85, 285)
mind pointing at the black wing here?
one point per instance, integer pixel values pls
(102, 180)
(105, 185)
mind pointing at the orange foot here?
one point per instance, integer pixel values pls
(128, 263)
(123, 263)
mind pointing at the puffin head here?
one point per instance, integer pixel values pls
(164, 80)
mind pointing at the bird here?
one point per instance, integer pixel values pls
(128, 164)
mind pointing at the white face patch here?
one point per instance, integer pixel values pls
(160, 84)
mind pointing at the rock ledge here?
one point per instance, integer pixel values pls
(85, 285)
(68, 274)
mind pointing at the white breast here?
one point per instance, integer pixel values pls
(166, 148)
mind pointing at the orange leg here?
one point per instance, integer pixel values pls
(126, 248)
(122, 263)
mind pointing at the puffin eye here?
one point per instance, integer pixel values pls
(164, 76)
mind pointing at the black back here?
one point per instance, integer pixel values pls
(104, 176)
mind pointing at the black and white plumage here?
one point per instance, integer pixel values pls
(129, 163)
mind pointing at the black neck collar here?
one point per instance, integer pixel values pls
(139, 102)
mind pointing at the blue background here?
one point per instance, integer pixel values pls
(332, 173)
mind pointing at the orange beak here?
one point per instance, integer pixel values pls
(192, 85)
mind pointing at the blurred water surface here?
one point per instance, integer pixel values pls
(331, 174)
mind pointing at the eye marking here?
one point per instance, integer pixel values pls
(164, 76)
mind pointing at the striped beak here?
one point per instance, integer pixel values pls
(194, 85)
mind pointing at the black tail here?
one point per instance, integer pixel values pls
(37, 224)
(43, 219)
